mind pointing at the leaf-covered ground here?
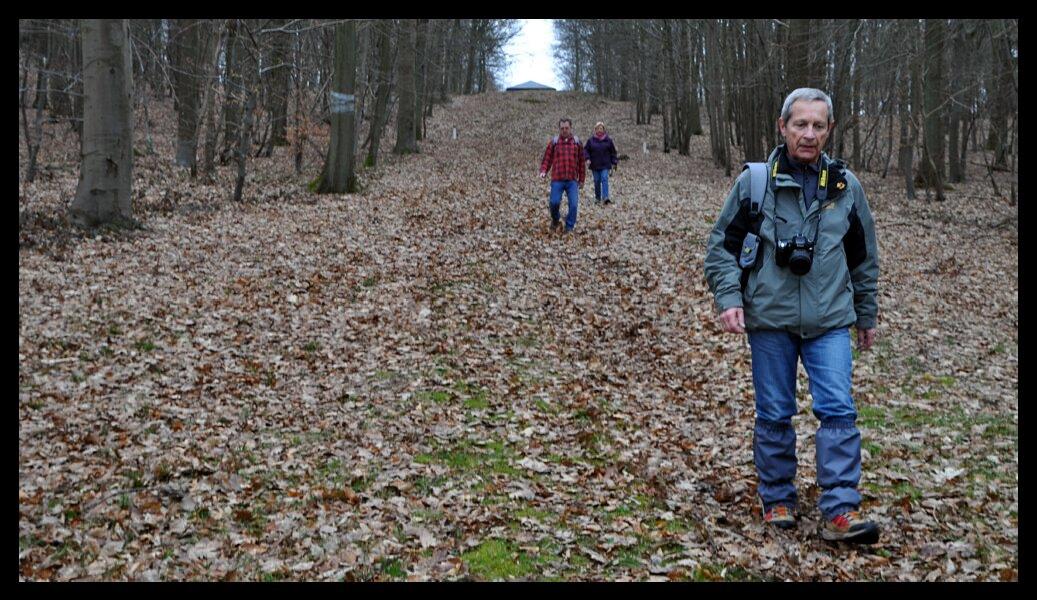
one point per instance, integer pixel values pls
(423, 382)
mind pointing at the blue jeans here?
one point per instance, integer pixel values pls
(601, 184)
(828, 361)
(571, 187)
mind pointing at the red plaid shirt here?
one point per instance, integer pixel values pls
(567, 158)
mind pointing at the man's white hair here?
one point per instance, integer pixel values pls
(808, 94)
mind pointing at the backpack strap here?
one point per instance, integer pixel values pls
(749, 254)
(757, 189)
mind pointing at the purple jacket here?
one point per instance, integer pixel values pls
(601, 153)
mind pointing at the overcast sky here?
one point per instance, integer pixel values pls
(531, 56)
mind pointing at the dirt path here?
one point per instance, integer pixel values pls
(424, 382)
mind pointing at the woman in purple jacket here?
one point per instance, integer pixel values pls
(601, 151)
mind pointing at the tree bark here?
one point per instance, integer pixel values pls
(185, 52)
(381, 113)
(105, 180)
(280, 85)
(421, 68)
(931, 168)
(232, 90)
(209, 128)
(955, 167)
(405, 141)
(338, 175)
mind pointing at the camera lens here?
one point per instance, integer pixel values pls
(800, 262)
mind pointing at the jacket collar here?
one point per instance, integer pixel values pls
(832, 177)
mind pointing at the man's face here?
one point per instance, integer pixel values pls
(565, 129)
(807, 129)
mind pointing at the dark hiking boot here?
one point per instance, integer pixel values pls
(555, 225)
(780, 516)
(850, 527)
(607, 201)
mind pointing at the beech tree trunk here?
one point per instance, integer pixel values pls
(281, 76)
(931, 168)
(338, 175)
(381, 102)
(405, 141)
(185, 56)
(105, 177)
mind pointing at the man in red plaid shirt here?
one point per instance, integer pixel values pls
(564, 158)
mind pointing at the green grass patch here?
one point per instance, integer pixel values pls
(543, 406)
(427, 515)
(904, 488)
(311, 347)
(497, 560)
(873, 449)
(145, 345)
(478, 402)
(532, 513)
(436, 396)
(717, 572)
(871, 417)
(392, 567)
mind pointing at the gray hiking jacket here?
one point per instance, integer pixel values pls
(841, 287)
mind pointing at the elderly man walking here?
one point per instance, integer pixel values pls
(564, 158)
(795, 265)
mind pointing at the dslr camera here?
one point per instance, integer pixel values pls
(796, 253)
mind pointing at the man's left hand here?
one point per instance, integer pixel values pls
(865, 338)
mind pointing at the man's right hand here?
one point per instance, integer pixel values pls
(733, 320)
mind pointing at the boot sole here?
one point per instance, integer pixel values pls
(869, 535)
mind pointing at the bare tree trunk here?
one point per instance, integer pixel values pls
(1002, 94)
(473, 43)
(232, 89)
(338, 176)
(421, 67)
(691, 52)
(32, 143)
(244, 141)
(280, 86)
(105, 180)
(931, 169)
(405, 141)
(209, 102)
(842, 99)
(381, 112)
(798, 53)
(912, 114)
(300, 125)
(185, 52)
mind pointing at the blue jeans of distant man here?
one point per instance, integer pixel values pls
(571, 188)
(601, 184)
(828, 362)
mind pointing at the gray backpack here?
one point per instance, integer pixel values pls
(757, 189)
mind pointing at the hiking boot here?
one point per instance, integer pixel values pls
(555, 225)
(607, 201)
(780, 516)
(850, 527)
